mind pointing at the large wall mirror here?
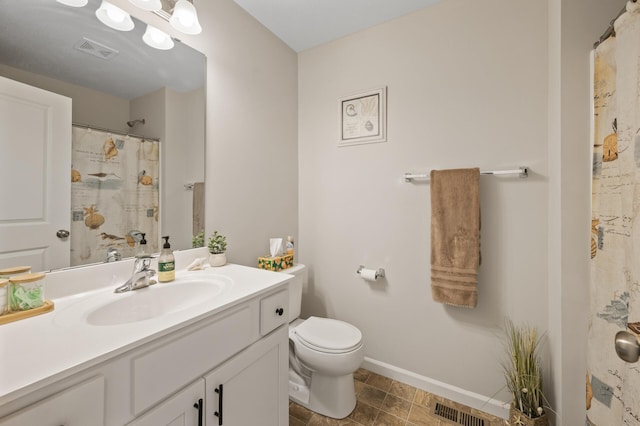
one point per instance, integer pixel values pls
(122, 89)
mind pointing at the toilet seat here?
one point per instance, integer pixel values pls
(328, 335)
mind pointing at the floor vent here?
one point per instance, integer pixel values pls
(446, 412)
(456, 416)
(96, 49)
(467, 419)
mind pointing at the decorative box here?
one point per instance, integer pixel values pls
(277, 263)
(26, 291)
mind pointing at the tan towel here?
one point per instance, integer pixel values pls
(198, 207)
(455, 236)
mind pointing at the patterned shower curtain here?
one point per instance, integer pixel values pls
(613, 386)
(114, 194)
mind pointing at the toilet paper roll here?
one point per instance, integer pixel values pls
(369, 274)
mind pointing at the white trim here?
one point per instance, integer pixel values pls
(453, 393)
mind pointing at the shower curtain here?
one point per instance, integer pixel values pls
(613, 386)
(114, 194)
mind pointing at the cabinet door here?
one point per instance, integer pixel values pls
(251, 388)
(80, 405)
(185, 408)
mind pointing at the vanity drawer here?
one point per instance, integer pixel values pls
(274, 311)
(82, 404)
(157, 373)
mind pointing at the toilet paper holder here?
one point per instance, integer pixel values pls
(379, 272)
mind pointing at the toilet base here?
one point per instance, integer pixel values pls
(330, 396)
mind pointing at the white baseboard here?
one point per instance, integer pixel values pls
(453, 393)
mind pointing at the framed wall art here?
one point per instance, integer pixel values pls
(363, 117)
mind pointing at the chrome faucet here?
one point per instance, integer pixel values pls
(140, 276)
(113, 255)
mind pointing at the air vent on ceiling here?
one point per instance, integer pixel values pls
(96, 49)
(456, 416)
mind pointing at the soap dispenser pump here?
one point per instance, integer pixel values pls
(166, 263)
(142, 247)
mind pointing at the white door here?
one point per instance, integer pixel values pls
(35, 169)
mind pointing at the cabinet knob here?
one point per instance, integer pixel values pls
(280, 311)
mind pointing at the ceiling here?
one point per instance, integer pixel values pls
(302, 24)
(41, 36)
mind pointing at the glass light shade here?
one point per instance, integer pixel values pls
(74, 3)
(114, 17)
(185, 18)
(150, 5)
(157, 39)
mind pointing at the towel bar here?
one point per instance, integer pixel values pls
(522, 172)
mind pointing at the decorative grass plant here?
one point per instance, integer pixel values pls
(522, 369)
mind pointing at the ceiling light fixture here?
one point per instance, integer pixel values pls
(185, 18)
(150, 5)
(157, 39)
(114, 17)
(74, 3)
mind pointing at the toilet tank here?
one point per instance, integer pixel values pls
(299, 272)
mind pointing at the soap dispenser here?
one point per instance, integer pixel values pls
(142, 247)
(166, 263)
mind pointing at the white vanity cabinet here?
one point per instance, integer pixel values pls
(80, 405)
(185, 408)
(248, 389)
(241, 350)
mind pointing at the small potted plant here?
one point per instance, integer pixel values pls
(523, 373)
(197, 240)
(217, 248)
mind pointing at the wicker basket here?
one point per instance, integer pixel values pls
(517, 418)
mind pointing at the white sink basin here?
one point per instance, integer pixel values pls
(108, 308)
(153, 301)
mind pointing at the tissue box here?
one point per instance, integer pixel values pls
(277, 263)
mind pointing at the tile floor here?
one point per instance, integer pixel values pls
(382, 401)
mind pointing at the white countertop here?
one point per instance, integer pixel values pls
(37, 351)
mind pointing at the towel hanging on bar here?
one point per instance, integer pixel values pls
(455, 236)
(522, 171)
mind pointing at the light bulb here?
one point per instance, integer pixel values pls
(185, 18)
(114, 17)
(157, 39)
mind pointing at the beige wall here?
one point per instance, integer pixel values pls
(184, 162)
(90, 107)
(466, 87)
(252, 118)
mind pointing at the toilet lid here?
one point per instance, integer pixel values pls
(328, 335)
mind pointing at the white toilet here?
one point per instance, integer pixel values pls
(323, 355)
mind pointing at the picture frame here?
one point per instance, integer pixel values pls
(363, 117)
